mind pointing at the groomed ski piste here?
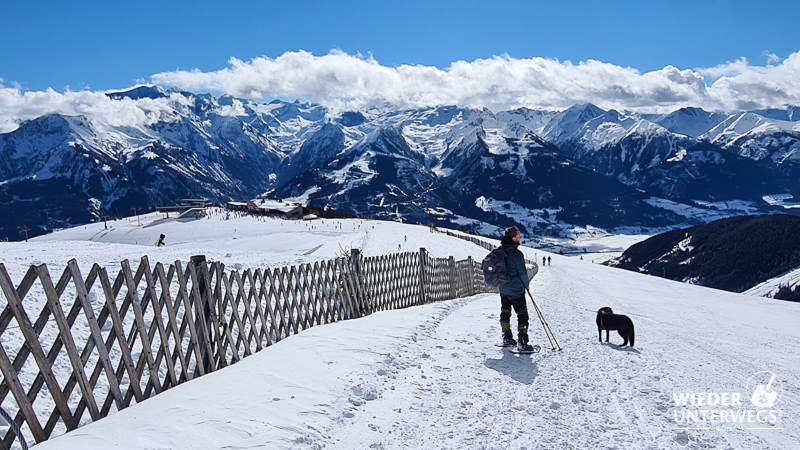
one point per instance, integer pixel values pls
(431, 376)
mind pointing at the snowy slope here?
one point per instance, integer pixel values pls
(771, 287)
(431, 377)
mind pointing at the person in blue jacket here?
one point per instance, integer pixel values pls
(512, 295)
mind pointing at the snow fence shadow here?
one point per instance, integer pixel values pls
(521, 368)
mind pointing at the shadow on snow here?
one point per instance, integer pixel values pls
(521, 368)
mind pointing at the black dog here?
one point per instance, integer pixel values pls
(607, 320)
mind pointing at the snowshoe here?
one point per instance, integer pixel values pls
(508, 343)
(526, 349)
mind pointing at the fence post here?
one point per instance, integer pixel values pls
(355, 267)
(451, 265)
(423, 261)
(203, 312)
(471, 275)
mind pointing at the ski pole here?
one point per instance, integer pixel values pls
(547, 328)
(548, 332)
(545, 325)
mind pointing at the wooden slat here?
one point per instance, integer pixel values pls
(32, 341)
(298, 300)
(188, 319)
(11, 380)
(103, 316)
(52, 355)
(163, 351)
(22, 289)
(172, 319)
(67, 339)
(209, 325)
(289, 308)
(317, 293)
(309, 281)
(333, 312)
(140, 326)
(198, 338)
(223, 300)
(216, 325)
(151, 334)
(347, 281)
(276, 299)
(22, 354)
(130, 340)
(234, 301)
(328, 293)
(302, 298)
(280, 326)
(119, 333)
(267, 294)
(94, 327)
(253, 336)
(257, 282)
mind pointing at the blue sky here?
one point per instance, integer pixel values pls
(107, 45)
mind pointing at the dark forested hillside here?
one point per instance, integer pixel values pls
(733, 254)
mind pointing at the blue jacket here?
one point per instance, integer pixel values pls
(515, 266)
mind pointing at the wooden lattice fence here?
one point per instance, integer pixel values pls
(101, 344)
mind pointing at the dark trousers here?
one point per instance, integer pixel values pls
(520, 307)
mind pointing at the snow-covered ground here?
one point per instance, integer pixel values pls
(771, 287)
(432, 377)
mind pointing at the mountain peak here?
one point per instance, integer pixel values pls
(585, 112)
(139, 92)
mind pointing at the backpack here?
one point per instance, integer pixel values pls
(494, 268)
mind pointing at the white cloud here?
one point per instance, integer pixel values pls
(729, 69)
(772, 58)
(236, 108)
(17, 106)
(501, 82)
(338, 80)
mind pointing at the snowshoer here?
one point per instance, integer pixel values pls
(512, 295)
(160, 241)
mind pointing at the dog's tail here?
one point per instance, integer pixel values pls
(633, 334)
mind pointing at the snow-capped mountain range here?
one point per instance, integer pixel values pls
(547, 171)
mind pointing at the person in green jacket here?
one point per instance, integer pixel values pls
(160, 241)
(512, 295)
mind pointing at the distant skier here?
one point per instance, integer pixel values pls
(549, 261)
(160, 241)
(544, 261)
(513, 293)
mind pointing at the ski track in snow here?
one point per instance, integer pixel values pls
(447, 389)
